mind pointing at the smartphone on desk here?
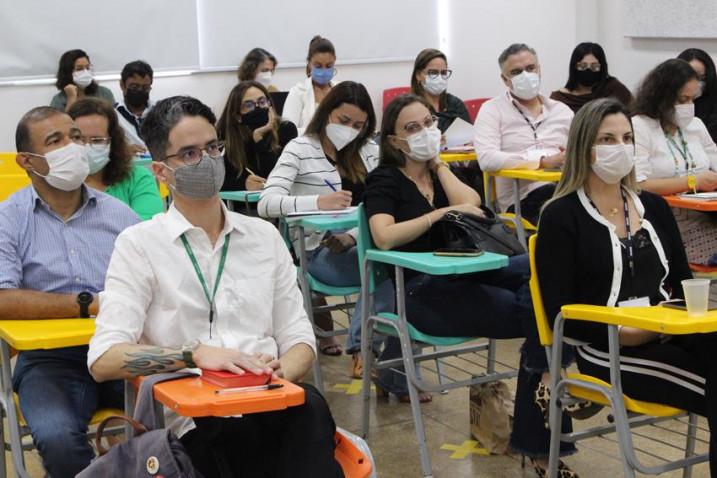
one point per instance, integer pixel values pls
(680, 304)
(455, 252)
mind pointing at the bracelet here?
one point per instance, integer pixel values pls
(692, 182)
(430, 223)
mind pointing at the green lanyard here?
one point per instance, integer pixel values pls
(223, 259)
(684, 152)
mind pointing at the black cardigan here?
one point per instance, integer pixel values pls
(574, 258)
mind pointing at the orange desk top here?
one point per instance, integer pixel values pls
(695, 204)
(193, 397)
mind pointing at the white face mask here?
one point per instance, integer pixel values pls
(264, 78)
(435, 86)
(613, 161)
(684, 114)
(98, 157)
(341, 135)
(526, 85)
(82, 78)
(68, 165)
(425, 145)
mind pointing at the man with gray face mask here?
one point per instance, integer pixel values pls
(200, 286)
(521, 129)
(56, 238)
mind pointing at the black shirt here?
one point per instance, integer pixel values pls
(574, 259)
(389, 191)
(260, 158)
(455, 108)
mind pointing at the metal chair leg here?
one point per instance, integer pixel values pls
(690, 445)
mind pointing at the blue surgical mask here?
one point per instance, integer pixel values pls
(322, 76)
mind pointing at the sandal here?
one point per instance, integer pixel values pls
(564, 471)
(356, 370)
(331, 349)
(581, 410)
(381, 392)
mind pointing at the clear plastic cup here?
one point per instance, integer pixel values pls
(697, 293)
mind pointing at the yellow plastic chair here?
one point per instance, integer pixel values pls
(33, 335)
(628, 413)
(510, 219)
(8, 164)
(10, 183)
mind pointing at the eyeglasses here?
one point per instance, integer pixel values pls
(94, 142)
(193, 155)
(434, 73)
(146, 88)
(414, 127)
(595, 67)
(250, 105)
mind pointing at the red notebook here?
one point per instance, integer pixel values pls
(225, 379)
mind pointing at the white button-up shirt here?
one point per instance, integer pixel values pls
(505, 139)
(654, 159)
(153, 295)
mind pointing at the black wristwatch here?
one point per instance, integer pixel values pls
(188, 353)
(85, 299)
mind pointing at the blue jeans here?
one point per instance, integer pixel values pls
(58, 398)
(495, 304)
(342, 270)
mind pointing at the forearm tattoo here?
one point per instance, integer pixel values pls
(150, 360)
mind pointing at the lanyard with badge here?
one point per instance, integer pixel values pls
(533, 126)
(200, 276)
(686, 155)
(632, 301)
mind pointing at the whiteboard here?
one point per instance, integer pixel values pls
(670, 18)
(35, 33)
(361, 30)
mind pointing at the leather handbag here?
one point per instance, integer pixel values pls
(151, 453)
(459, 230)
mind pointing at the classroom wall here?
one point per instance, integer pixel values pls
(631, 58)
(475, 35)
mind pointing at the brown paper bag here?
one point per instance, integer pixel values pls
(490, 416)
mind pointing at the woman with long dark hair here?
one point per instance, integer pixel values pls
(588, 79)
(706, 102)
(253, 136)
(75, 80)
(258, 65)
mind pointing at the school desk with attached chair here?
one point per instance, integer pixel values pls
(246, 197)
(23, 335)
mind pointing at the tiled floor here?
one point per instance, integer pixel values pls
(392, 438)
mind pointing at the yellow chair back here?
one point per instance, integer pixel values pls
(541, 318)
(8, 164)
(9, 183)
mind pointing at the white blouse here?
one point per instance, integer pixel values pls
(656, 159)
(300, 104)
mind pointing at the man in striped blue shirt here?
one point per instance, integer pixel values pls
(56, 239)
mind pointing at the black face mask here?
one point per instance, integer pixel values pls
(255, 119)
(587, 77)
(136, 98)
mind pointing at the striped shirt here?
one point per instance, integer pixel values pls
(300, 177)
(39, 251)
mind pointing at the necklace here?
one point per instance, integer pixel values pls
(426, 194)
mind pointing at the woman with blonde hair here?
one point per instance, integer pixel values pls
(602, 241)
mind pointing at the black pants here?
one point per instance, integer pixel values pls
(681, 373)
(531, 204)
(297, 442)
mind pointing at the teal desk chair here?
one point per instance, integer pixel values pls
(375, 263)
(247, 197)
(309, 284)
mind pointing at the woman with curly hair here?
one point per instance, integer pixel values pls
(111, 168)
(674, 151)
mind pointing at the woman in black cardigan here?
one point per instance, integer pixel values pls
(584, 256)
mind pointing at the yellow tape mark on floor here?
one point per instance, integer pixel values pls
(468, 447)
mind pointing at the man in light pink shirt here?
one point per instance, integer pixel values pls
(521, 129)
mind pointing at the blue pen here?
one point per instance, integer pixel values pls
(328, 183)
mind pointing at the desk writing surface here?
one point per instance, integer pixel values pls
(659, 319)
(47, 333)
(694, 204)
(193, 397)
